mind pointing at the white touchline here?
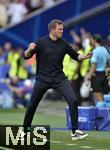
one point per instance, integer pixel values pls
(102, 149)
(56, 142)
(71, 144)
(86, 147)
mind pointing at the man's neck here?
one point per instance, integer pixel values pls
(52, 37)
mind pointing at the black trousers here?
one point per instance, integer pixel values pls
(39, 89)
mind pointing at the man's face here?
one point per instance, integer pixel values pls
(58, 31)
(92, 41)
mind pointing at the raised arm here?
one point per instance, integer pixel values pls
(30, 51)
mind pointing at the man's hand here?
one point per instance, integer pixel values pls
(30, 51)
(91, 72)
(32, 46)
(89, 55)
(84, 56)
(88, 77)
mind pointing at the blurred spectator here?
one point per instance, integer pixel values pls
(17, 67)
(21, 68)
(11, 55)
(24, 1)
(16, 11)
(7, 48)
(3, 14)
(5, 2)
(75, 36)
(48, 3)
(76, 71)
(17, 91)
(85, 38)
(6, 100)
(2, 58)
(34, 5)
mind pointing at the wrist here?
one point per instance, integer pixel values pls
(80, 57)
(88, 77)
(30, 50)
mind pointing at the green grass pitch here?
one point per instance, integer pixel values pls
(53, 113)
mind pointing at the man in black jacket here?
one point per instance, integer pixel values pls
(50, 51)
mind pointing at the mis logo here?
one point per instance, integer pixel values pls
(13, 136)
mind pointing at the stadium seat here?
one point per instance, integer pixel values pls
(107, 100)
(4, 69)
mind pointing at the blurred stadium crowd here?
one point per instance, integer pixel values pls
(14, 11)
(13, 74)
(17, 75)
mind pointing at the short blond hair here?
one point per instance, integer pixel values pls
(53, 24)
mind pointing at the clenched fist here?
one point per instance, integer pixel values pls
(32, 46)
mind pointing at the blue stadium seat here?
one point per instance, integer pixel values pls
(4, 69)
(4, 87)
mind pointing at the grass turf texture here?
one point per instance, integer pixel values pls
(53, 113)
